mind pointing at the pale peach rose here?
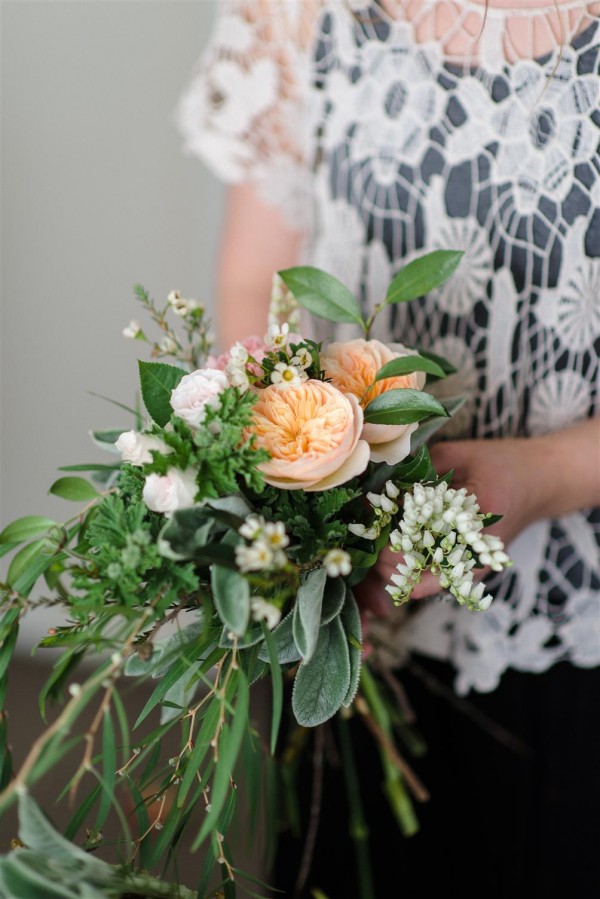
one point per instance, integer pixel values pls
(312, 433)
(352, 366)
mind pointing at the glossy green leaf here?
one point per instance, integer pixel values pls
(406, 365)
(422, 275)
(322, 294)
(26, 528)
(231, 593)
(157, 381)
(430, 426)
(322, 683)
(443, 363)
(401, 406)
(307, 611)
(74, 489)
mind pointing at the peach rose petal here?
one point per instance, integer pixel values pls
(312, 432)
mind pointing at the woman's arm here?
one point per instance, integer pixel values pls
(256, 242)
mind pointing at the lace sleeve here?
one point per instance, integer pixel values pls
(244, 112)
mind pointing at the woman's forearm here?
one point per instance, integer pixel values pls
(256, 242)
(568, 463)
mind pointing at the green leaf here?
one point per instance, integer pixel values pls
(352, 628)
(322, 683)
(252, 636)
(7, 648)
(26, 528)
(178, 670)
(39, 835)
(443, 363)
(201, 745)
(74, 489)
(283, 637)
(277, 681)
(422, 275)
(157, 381)
(405, 365)
(429, 426)
(401, 406)
(307, 611)
(109, 769)
(28, 565)
(231, 593)
(91, 466)
(187, 531)
(107, 438)
(333, 599)
(229, 746)
(322, 294)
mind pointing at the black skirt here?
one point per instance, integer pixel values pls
(514, 778)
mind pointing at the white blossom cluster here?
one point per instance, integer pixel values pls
(441, 531)
(181, 306)
(385, 506)
(264, 550)
(263, 610)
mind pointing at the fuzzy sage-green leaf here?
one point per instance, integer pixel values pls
(307, 611)
(322, 683)
(231, 593)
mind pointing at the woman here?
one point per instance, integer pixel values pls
(356, 135)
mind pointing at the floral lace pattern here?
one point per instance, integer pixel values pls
(390, 141)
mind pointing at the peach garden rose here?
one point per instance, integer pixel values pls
(312, 433)
(352, 366)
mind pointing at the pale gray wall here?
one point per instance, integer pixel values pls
(96, 196)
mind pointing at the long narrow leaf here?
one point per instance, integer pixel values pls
(277, 681)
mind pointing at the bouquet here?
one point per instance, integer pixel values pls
(224, 546)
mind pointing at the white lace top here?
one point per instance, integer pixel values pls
(387, 128)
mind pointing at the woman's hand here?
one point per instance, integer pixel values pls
(522, 479)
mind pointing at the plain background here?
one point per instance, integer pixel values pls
(97, 196)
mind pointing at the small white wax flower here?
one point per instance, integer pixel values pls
(275, 535)
(303, 359)
(167, 345)
(179, 304)
(357, 529)
(284, 375)
(261, 610)
(257, 557)
(337, 562)
(252, 528)
(132, 330)
(168, 493)
(276, 337)
(238, 352)
(195, 392)
(136, 448)
(236, 375)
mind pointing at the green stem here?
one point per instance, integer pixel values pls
(359, 829)
(394, 788)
